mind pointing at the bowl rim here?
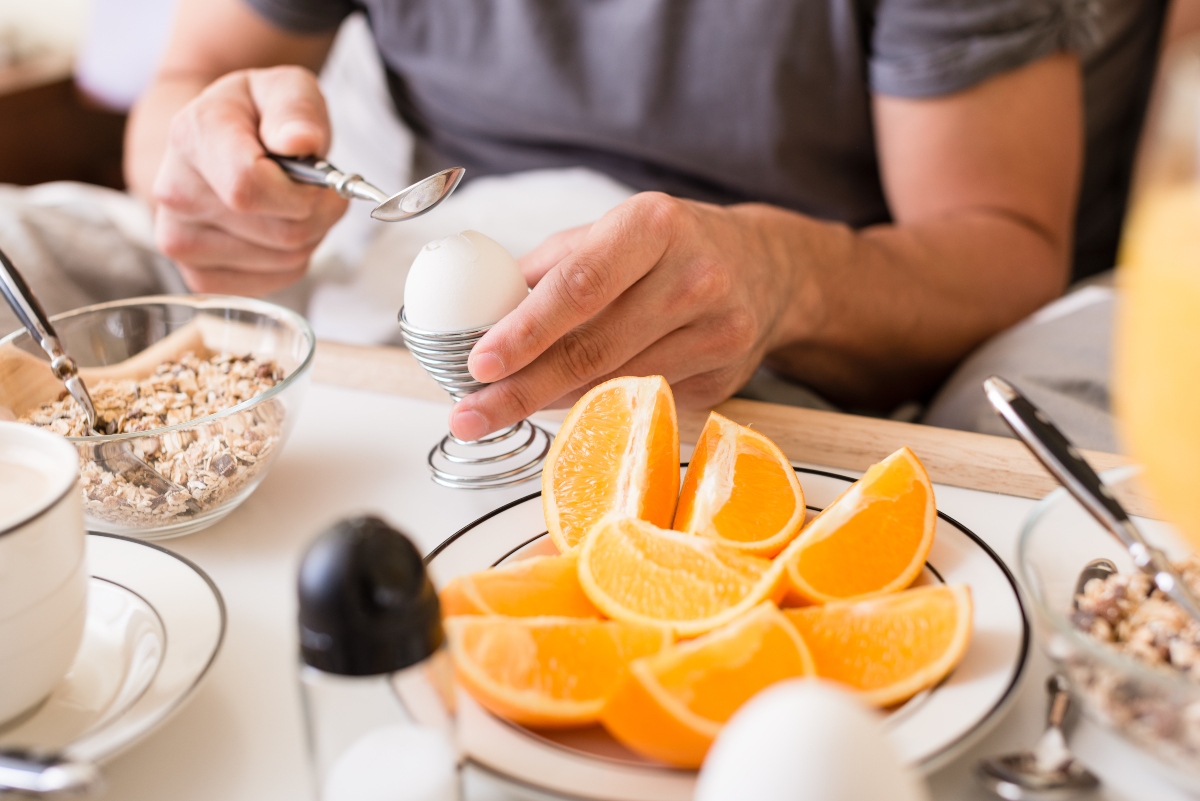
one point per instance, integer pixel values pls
(199, 302)
(1168, 679)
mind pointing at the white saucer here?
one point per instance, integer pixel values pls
(154, 625)
(927, 731)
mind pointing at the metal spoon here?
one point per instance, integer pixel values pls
(1023, 775)
(1095, 569)
(404, 205)
(1064, 462)
(31, 773)
(1048, 771)
(114, 456)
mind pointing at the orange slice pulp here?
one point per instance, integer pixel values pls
(617, 451)
(872, 539)
(546, 671)
(891, 647)
(538, 586)
(671, 706)
(740, 490)
(638, 573)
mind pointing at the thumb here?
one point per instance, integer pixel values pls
(293, 120)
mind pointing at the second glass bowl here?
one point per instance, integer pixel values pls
(1154, 708)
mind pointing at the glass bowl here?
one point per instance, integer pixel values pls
(1156, 709)
(219, 458)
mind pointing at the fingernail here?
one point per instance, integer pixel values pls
(468, 425)
(486, 367)
(297, 129)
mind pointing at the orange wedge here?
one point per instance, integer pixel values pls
(873, 539)
(539, 586)
(617, 451)
(671, 705)
(891, 647)
(552, 672)
(740, 490)
(639, 573)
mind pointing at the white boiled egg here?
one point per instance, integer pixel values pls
(395, 763)
(806, 740)
(462, 282)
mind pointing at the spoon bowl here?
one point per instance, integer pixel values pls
(1047, 771)
(413, 201)
(1016, 777)
(419, 198)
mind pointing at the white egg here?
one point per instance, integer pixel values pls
(395, 763)
(462, 282)
(806, 739)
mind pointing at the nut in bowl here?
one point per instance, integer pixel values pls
(202, 389)
(1130, 654)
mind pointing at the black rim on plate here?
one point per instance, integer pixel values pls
(1014, 681)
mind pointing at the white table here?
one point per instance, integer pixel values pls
(240, 738)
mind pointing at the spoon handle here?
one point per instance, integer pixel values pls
(309, 170)
(1060, 700)
(31, 314)
(319, 172)
(37, 774)
(27, 308)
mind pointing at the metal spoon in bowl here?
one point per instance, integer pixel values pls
(1046, 772)
(114, 456)
(404, 205)
(1064, 462)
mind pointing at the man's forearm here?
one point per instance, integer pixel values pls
(882, 314)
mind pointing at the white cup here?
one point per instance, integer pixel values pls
(43, 572)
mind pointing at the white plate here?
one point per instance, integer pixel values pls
(155, 622)
(927, 731)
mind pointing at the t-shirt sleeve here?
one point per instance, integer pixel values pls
(924, 48)
(304, 16)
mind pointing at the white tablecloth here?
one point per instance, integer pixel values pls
(353, 452)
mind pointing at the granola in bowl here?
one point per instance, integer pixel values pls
(213, 461)
(1127, 614)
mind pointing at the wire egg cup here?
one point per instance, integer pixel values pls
(506, 457)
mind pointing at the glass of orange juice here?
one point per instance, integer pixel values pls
(1157, 369)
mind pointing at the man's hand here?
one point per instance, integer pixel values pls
(981, 186)
(230, 217)
(688, 290)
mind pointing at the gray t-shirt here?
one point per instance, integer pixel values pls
(765, 100)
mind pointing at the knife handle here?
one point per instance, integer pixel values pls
(1055, 452)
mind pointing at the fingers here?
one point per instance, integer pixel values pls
(236, 282)
(642, 333)
(197, 246)
(229, 216)
(537, 262)
(686, 357)
(617, 251)
(195, 203)
(293, 120)
(216, 135)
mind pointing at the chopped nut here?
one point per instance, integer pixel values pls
(1127, 613)
(214, 461)
(223, 464)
